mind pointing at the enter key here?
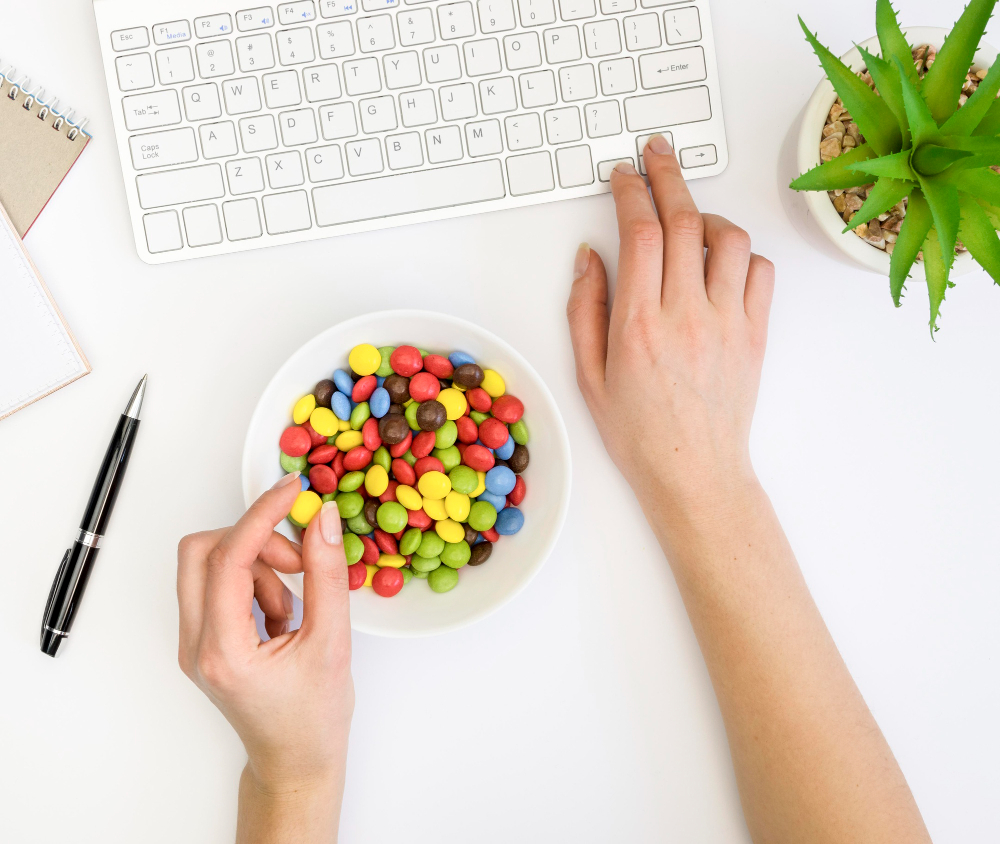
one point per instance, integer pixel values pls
(673, 67)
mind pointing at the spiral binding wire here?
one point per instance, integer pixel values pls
(36, 96)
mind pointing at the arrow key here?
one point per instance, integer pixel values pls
(699, 156)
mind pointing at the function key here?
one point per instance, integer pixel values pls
(289, 13)
(209, 27)
(168, 33)
(130, 39)
(260, 18)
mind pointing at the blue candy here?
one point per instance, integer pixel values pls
(379, 403)
(379, 380)
(343, 382)
(509, 521)
(500, 480)
(507, 449)
(458, 358)
(341, 406)
(305, 482)
(498, 501)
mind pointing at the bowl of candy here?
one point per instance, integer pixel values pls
(444, 451)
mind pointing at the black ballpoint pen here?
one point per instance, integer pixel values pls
(78, 562)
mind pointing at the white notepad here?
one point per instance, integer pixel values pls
(38, 354)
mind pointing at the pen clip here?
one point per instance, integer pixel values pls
(55, 582)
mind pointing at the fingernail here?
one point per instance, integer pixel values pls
(625, 168)
(329, 524)
(286, 600)
(658, 145)
(285, 481)
(582, 261)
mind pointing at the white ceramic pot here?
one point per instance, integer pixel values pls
(810, 135)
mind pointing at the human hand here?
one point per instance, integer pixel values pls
(291, 698)
(671, 373)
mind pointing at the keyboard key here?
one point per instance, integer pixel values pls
(178, 187)
(458, 101)
(364, 157)
(218, 140)
(482, 57)
(255, 52)
(244, 175)
(298, 12)
(443, 144)
(404, 151)
(213, 25)
(682, 26)
(201, 224)
(575, 166)
(324, 163)
(287, 212)
(617, 76)
(201, 102)
(338, 121)
(335, 39)
(420, 190)
(611, 7)
(418, 108)
(530, 173)
(260, 18)
(129, 39)
(577, 83)
(605, 167)
(135, 72)
(361, 76)
(652, 4)
(642, 32)
(603, 119)
(337, 8)
(242, 219)
(295, 46)
(562, 44)
(602, 38)
(640, 145)
(667, 108)
(562, 125)
(522, 51)
(298, 127)
(258, 133)
(701, 156)
(402, 70)
(174, 31)
(242, 95)
(674, 67)
(282, 89)
(536, 12)
(375, 33)
(456, 20)
(496, 15)
(284, 170)
(416, 26)
(322, 83)
(163, 149)
(442, 64)
(524, 131)
(498, 95)
(483, 138)
(215, 58)
(573, 10)
(378, 5)
(174, 65)
(163, 232)
(378, 114)
(148, 111)
(538, 88)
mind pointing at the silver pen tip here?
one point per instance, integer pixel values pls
(135, 403)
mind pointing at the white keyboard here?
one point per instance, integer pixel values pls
(241, 127)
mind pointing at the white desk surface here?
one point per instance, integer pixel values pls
(582, 711)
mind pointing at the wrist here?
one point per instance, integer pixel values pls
(276, 808)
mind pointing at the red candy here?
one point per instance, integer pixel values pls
(399, 449)
(427, 464)
(357, 458)
(468, 431)
(478, 458)
(403, 472)
(424, 387)
(491, 535)
(479, 399)
(387, 582)
(338, 464)
(518, 492)
(323, 479)
(317, 439)
(423, 444)
(418, 519)
(438, 366)
(364, 388)
(369, 433)
(370, 554)
(295, 441)
(493, 433)
(405, 361)
(390, 492)
(357, 574)
(508, 409)
(323, 454)
(386, 542)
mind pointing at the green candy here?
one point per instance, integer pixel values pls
(353, 548)
(358, 524)
(385, 368)
(463, 480)
(410, 542)
(360, 415)
(456, 554)
(519, 431)
(430, 545)
(328, 496)
(443, 579)
(407, 573)
(482, 516)
(351, 481)
(411, 415)
(478, 417)
(409, 458)
(423, 352)
(449, 457)
(293, 464)
(424, 564)
(420, 575)
(349, 504)
(446, 435)
(382, 458)
(297, 524)
(392, 517)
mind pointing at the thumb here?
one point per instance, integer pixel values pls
(326, 608)
(587, 311)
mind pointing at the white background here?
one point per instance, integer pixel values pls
(582, 711)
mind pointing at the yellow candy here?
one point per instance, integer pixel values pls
(396, 561)
(348, 440)
(371, 573)
(343, 425)
(303, 409)
(365, 359)
(434, 485)
(306, 506)
(454, 402)
(409, 497)
(479, 490)
(376, 480)
(435, 509)
(493, 383)
(323, 421)
(450, 531)
(457, 506)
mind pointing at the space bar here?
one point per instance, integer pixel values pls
(421, 190)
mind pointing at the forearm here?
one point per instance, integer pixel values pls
(276, 815)
(811, 763)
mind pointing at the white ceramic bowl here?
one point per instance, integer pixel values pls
(417, 611)
(810, 134)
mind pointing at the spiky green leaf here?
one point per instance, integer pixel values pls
(979, 236)
(990, 124)
(916, 224)
(836, 173)
(985, 152)
(942, 197)
(886, 194)
(970, 116)
(869, 111)
(992, 213)
(922, 126)
(896, 166)
(932, 159)
(982, 184)
(891, 39)
(886, 79)
(943, 82)
(936, 272)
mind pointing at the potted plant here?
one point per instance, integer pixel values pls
(910, 136)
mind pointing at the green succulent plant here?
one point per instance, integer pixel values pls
(921, 145)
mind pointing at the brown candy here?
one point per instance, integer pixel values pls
(500, 462)
(371, 511)
(323, 391)
(518, 461)
(471, 535)
(468, 375)
(393, 428)
(480, 553)
(431, 415)
(398, 388)
(397, 409)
